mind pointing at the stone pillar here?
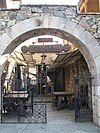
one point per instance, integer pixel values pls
(96, 100)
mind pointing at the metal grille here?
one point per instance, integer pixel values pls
(83, 96)
(38, 115)
(23, 108)
(23, 102)
(39, 112)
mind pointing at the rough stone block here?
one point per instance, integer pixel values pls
(97, 102)
(95, 119)
(78, 31)
(95, 111)
(97, 61)
(84, 23)
(62, 23)
(93, 99)
(45, 20)
(97, 91)
(70, 26)
(99, 112)
(11, 23)
(4, 41)
(54, 22)
(85, 37)
(98, 122)
(90, 43)
(93, 90)
(95, 48)
(21, 28)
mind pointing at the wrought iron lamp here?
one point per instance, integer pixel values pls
(43, 56)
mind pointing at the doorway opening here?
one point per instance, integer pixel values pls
(47, 72)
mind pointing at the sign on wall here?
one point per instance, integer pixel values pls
(45, 48)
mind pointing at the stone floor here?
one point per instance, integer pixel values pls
(58, 122)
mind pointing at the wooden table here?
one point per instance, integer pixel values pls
(58, 96)
(62, 93)
(18, 92)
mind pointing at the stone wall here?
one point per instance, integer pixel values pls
(83, 30)
(78, 67)
(91, 22)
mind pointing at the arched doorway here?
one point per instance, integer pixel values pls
(60, 27)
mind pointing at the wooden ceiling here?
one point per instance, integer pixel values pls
(29, 59)
(65, 59)
(56, 61)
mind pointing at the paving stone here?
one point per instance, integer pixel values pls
(58, 122)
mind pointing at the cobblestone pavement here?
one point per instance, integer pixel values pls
(58, 122)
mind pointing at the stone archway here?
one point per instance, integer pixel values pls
(65, 29)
